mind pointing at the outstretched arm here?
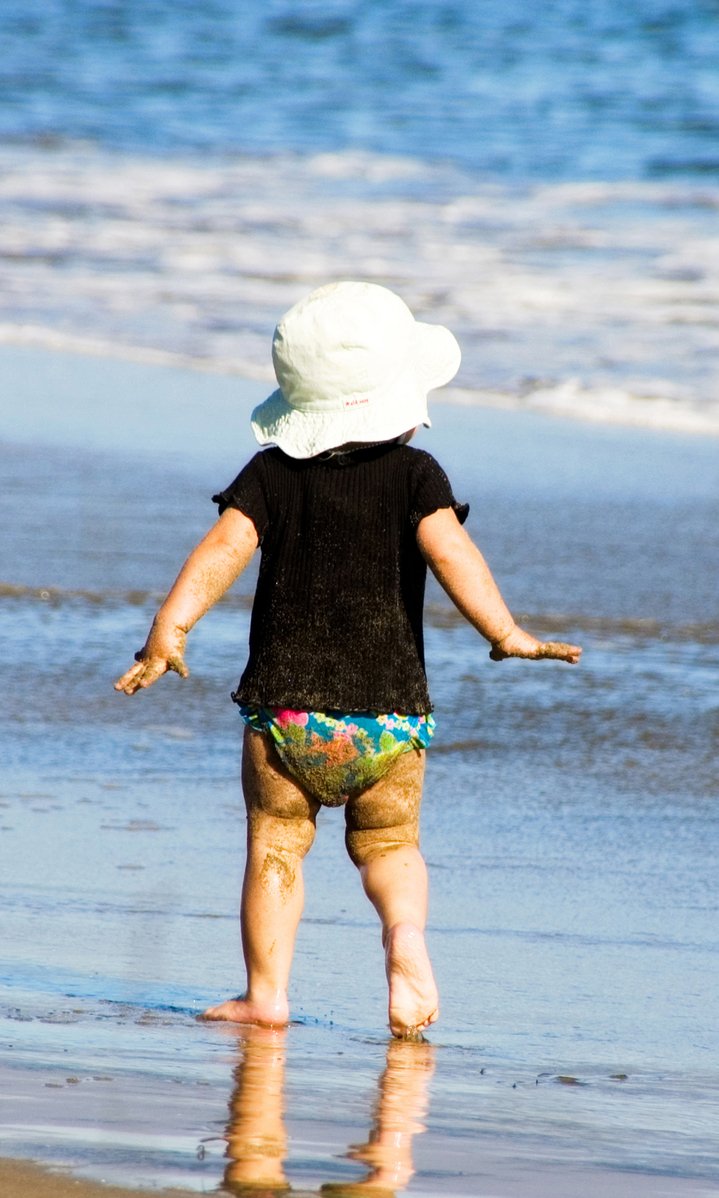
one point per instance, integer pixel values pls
(209, 571)
(461, 570)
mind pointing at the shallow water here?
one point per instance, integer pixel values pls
(569, 824)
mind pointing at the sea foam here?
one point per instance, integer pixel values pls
(596, 300)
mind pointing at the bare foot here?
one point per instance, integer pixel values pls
(274, 1013)
(413, 998)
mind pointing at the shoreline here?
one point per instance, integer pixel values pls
(228, 382)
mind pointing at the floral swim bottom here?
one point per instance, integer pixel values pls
(335, 755)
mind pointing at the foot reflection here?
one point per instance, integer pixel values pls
(400, 1111)
(256, 1136)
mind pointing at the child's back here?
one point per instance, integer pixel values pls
(337, 618)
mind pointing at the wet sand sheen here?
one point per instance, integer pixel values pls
(259, 1146)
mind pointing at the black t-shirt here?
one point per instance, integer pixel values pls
(337, 616)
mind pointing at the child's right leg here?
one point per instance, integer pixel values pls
(281, 818)
(383, 841)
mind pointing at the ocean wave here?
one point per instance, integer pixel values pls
(601, 405)
(595, 300)
(569, 398)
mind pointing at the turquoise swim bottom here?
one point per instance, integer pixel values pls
(335, 755)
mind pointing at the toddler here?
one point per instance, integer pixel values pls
(334, 698)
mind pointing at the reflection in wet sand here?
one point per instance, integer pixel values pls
(400, 1111)
(256, 1135)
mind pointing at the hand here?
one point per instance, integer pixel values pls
(147, 671)
(519, 643)
(162, 653)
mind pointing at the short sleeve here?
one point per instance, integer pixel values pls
(432, 490)
(247, 494)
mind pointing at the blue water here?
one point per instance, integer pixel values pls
(608, 90)
(173, 176)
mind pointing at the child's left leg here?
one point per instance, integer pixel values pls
(383, 841)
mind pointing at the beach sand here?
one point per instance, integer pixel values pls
(573, 917)
(21, 1179)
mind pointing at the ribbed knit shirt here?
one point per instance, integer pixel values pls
(337, 615)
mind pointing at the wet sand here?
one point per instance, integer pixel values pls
(263, 1150)
(21, 1179)
(573, 909)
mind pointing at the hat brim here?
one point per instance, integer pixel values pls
(383, 416)
(438, 355)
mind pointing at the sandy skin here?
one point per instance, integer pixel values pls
(382, 835)
(244, 1010)
(413, 997)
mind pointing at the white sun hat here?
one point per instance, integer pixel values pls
(353, 365)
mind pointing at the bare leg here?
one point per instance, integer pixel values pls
(280, 829)
(383, 841)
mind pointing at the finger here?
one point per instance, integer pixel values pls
(560, 651)
(152, 669)
(177, 664)
(129, 676)
(141, 676)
